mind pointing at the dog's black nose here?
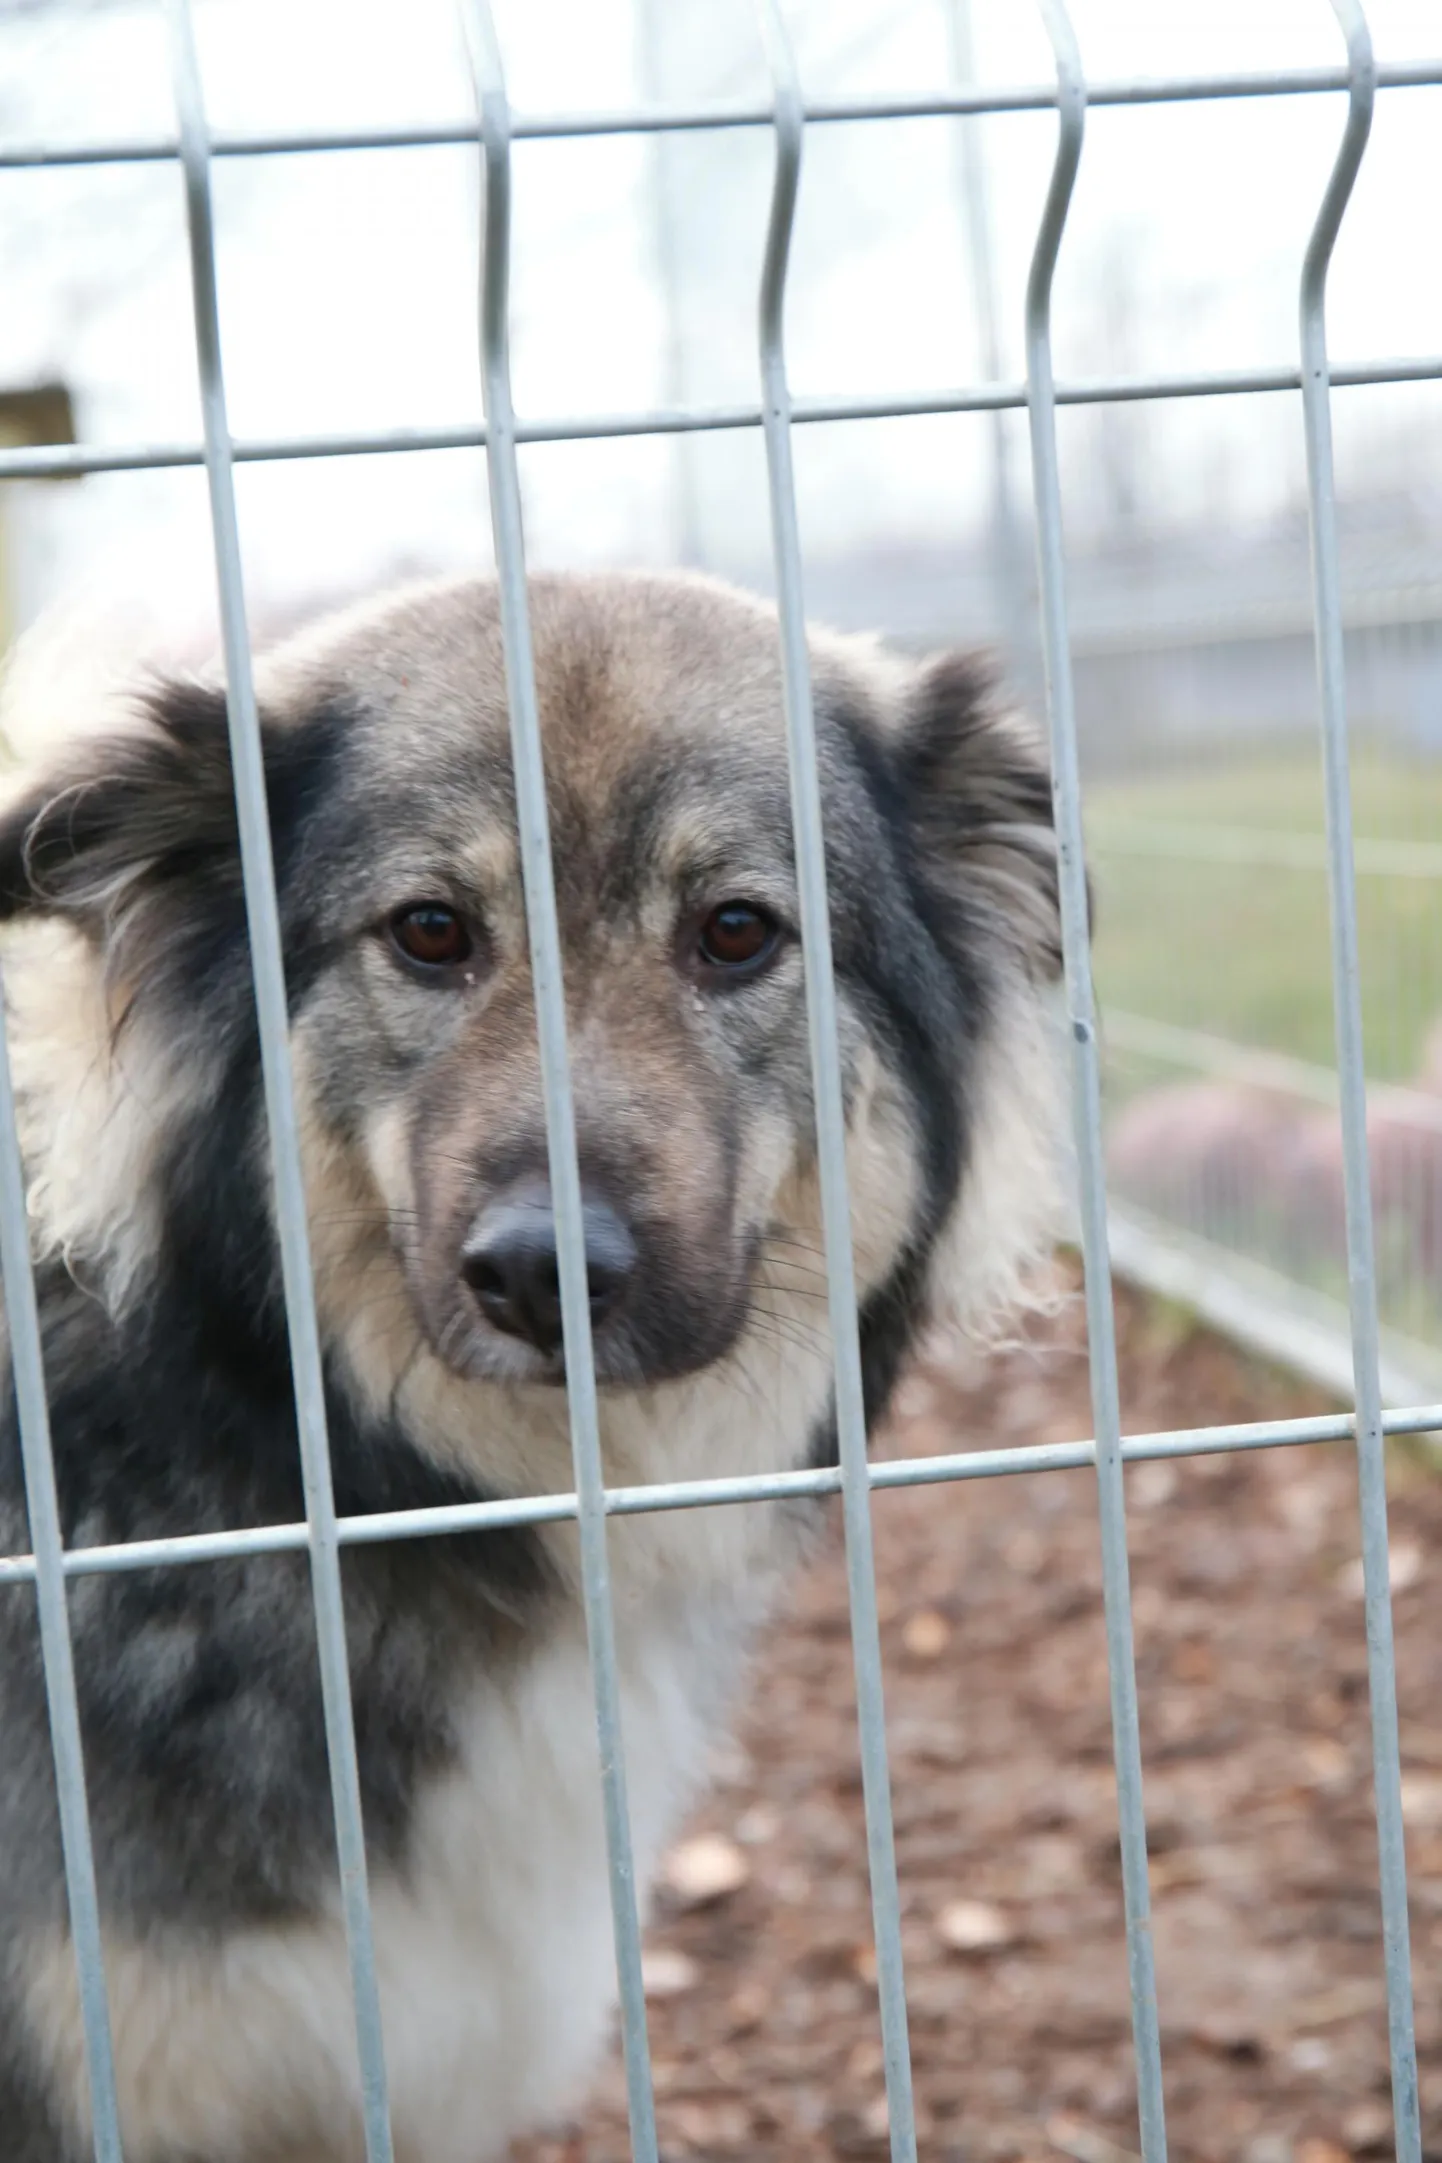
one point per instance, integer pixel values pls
(509, 1261)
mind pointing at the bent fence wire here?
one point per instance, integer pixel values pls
(323, 1534)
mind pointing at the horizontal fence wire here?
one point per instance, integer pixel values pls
(1351, 1076)
(1086, 1082)
(70, 461)
(323, 1534)
(448, 1520)
(696, 119)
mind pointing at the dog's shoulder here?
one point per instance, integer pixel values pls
(199, 1686)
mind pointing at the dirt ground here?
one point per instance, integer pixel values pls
(1252, 1671)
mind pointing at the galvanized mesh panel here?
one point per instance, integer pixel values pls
(775, 412)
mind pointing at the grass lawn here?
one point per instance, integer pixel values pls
(1242, 948)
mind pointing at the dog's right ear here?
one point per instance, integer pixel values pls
(126, 815)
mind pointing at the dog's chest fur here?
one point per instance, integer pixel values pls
(493, 1937)
(231, 2004)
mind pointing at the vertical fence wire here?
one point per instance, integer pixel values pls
(830, 1111)
(548, 980)
(1086, 1081)
(668, 261)
(1351, 1075)
(263, 918)
(57, 1655)
(1009, 581)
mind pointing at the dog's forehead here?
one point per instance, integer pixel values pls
(660, 706)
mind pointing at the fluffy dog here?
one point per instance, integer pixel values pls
(415, 1053)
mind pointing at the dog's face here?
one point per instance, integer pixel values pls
(409, 970)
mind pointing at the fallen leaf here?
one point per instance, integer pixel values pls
(758, 1824)
(1343, 2001)
(1024, 1552)
(1269, 2148)
(1151, 1485)
(1321, 2151)
(1194, 1661)
(1165, 1872)
(1368, 2125)
(1422, 1798)
(974, 1926)
(1230, 2033)
(864, 2060)
(667, 1973)
(708, 1868)
(748, 2007)
(722, 2123)
(1404, 1567)
(927, 1634)
(1310, 2054)
(876, 2118)
(1404, 1564)
(1328, 1762)
(1085, 2143)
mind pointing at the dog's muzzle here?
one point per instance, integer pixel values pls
(510, 1263)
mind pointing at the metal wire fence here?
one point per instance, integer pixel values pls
(323, 1534)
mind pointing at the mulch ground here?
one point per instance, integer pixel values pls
(1252, 1672)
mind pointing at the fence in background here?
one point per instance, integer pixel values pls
(322, 1534)
(1206, 824)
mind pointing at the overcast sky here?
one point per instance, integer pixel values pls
(348, 282)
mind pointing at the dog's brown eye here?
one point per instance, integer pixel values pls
(432, 936)
(737, 937)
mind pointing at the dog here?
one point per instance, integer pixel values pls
(413, 1040)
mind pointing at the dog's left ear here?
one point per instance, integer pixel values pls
(126, 816)
(977, 782)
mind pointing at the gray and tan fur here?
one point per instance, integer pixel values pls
(135, 1048)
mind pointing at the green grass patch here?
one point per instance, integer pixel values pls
(1242, 949)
